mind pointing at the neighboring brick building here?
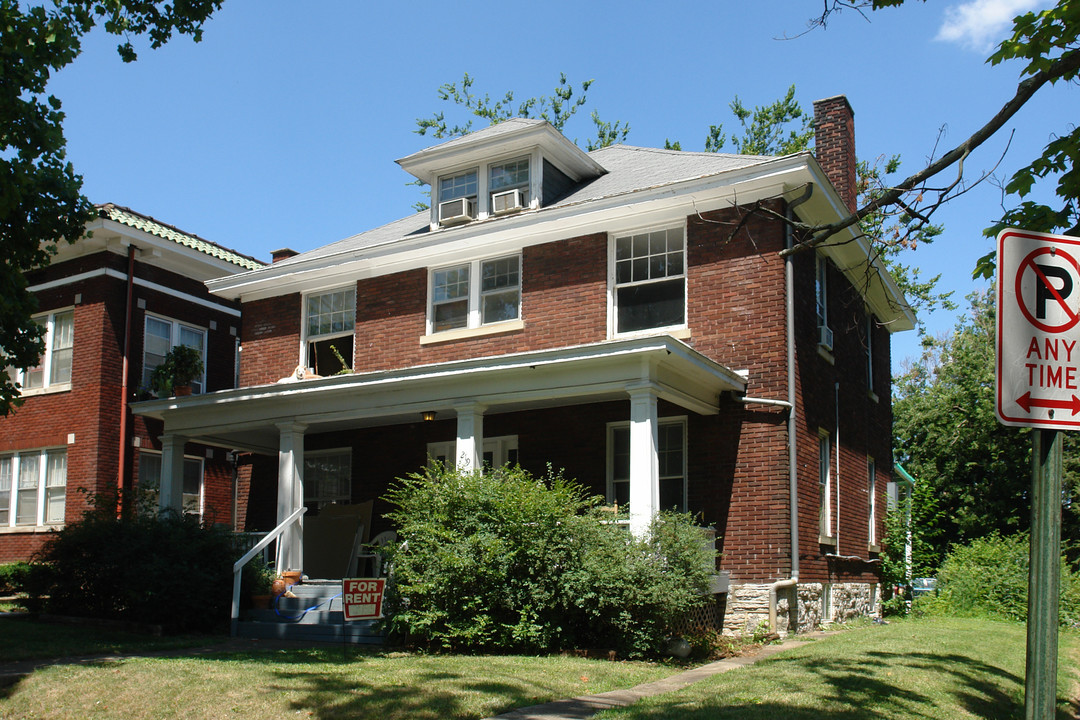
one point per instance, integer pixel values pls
(62, 447)
(624, 314)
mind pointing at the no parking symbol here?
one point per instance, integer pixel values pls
(1038, 304)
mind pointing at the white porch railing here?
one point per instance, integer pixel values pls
(238, 566)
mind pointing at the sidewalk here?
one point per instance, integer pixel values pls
(586, 706)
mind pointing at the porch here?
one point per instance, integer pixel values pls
(481, 407)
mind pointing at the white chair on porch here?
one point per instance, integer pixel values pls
(372, 554)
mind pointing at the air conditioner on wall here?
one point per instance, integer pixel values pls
(456, 211)
(507, 202)
(825, 337)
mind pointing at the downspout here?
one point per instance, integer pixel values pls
(124, 383)
(793, 471)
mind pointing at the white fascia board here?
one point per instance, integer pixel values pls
(497, 236)
(553, 377)
(854, 255)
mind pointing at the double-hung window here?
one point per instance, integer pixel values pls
(870, 351)
(649, 287)
(327, 477)
(458, 197)
(475, 294)
(33, 488)
(162, 335)
(508, 185)
(150, 484)
(54, 369)
(329, 323)
(824, 486)
(671, 436)
(871, 490)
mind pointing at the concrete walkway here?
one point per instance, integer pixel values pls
(586, 706)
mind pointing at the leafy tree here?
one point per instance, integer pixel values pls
(41, 202)
(1048, 41)
(973, 473)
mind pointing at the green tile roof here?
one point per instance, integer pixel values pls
(147, 224)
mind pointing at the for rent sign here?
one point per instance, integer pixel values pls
(1038, 326)
(362, 598)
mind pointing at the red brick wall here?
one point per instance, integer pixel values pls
(270, 340)
(834, 145)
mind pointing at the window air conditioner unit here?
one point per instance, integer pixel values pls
(506, 202)
(455, 212)
(825, 337)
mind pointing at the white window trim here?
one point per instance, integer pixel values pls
(870, 323)
(46, 360)
(613, 309)
(174, 340)
(871, 489)
(202, 477)
(473, 325)
(826, 537)
(483, 182)
(323, 453)
(13, 492)
(305, 338)
(499, 446)
(609, 491)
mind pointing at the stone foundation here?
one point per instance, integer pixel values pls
(817, 604)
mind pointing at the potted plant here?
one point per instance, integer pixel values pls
(173, 376)
(257, 581)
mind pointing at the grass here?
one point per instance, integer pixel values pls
(927, 668)
(930, 668)
(29, 639)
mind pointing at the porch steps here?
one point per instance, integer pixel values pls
(315, 614)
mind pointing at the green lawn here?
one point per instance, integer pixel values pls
(933, 668)
(28, 639)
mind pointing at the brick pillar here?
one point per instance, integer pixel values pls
(834, 145)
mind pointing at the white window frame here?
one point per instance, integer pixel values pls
(825, 519)
(871, 489)
(306, 338)
(503, 449)
(525, 187)
(47, 485)
(175, 328)
(614, 286)
(46, 365)
(474, 314)
(482, 199)
(821, 289)
(613, 427)
(189, 460)
(311, 492)
(870, 350)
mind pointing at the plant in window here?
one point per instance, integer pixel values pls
(181, 365)
(345, 369)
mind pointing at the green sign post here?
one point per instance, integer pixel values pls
(1038, 386)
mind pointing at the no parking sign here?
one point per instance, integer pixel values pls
(1038, 328)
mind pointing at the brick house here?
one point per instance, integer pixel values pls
(131, 282)
(624, 314)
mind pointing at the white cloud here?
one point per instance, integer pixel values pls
(981, 24)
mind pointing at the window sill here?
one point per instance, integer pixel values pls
(465, 333)
(11, 530)
(823, 540)
(678, 333)
(58, 388)
(827, 354)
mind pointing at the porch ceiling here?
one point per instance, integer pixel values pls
(247, 418)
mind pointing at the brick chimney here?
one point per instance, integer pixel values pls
(282, 254)
(834, 145)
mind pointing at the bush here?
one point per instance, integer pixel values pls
(13, 577)
(989, 578)
(164, 571)
(506, 561)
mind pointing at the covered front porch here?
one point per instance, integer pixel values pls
(486, 401)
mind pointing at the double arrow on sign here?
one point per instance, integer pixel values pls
(1027, 402)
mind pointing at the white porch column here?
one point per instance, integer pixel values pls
(290, 554)
(644, 459)
(470, 435)
(171, 490)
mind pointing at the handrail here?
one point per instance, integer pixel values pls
(246, 558)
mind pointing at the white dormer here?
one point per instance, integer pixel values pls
(509, 167)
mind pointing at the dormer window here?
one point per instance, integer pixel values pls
(508, 185)
(457, 197)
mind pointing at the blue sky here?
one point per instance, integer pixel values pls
(280, 129)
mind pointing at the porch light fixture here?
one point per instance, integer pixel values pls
(428, 415)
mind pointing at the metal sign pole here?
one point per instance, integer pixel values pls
(1040, 686)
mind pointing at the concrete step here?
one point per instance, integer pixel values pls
(315, 614)
(358, 633)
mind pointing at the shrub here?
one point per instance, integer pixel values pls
(504, 560)
(988, 577)
(165, 571)
(13, 577)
